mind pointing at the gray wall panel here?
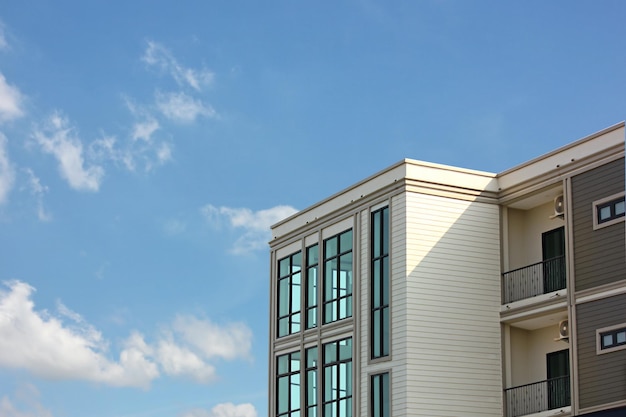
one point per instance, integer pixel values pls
(599, 255)
(602, 378)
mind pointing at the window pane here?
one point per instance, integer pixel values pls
(295, 292)
(330, 247)
(330, 282)
(605, 213)
(619, 208)
(283, 297)
(376, 295)
(283, 394)
(297, 262)
(312, 287)
(607, 340)
(621, 337)
(376, 334)
(385, 283)
(385, 249)
(283, 326)
(283, 364)
(346, 241)
(312, 257)
(385, 332)
(330, 353)
(295, 392)
(283, 267)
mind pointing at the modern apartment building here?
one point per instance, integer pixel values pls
(431, 290)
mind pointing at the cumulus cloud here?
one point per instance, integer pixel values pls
(7, 172)
(60, 140)
(227, 342)
(181, 107)
(159, 56)
(255, 224)
(223, 410)
(10, 101)
(24, 403)
(64, 346)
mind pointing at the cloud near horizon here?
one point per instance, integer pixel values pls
(224, 410)
(255, 224)
(65, 347)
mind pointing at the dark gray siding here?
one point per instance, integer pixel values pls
(602, 378)
(599, 255)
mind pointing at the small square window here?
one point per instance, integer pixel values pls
(608, 211)
(610, 339)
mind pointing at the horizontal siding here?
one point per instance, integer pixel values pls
(602, 378)
(452, 311)
(598, 254)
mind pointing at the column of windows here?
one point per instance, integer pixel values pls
(380, 284)
(380, 395)
(338, 277)
(288, 385)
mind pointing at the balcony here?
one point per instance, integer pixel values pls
(532, 280)
(537, 397)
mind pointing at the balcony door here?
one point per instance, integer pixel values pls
(553, 248)
(558, 379)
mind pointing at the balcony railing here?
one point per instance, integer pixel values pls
(529, 281)
(538, 396)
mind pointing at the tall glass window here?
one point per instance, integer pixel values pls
(311, 382)
(380, 283)
(380, 395)
(289, 290)
(338, 277)
(338, 379)
(288, 385)
(312, 261)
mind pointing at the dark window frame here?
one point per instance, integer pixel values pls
(380, 390)
(612, 331)
(293, 316)
(610, 202)
(332, 367)
(380, 321)
(331, 283)
(291, 372)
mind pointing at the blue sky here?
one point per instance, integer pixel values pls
(146, 147)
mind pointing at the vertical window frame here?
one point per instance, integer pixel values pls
(293, 316)
(331, 283)
(380, 402)
(291, 358)
(312, 271)
(380, 285)
(331, 375)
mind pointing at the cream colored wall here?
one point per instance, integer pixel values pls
(528, 353)
(525, 230)
(452, 293)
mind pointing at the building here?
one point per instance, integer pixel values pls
(430, 290)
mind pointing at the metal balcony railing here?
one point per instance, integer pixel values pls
(529, 281)
(538, 396)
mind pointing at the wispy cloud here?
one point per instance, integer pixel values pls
(38, 191)
(3, 40)
(7, 172)
(144, 129)
(59, 139)
(65, 346)
(182, 108)
(159, 56)
(24, 403)
(223, 410)
(254, 224)
(10, 101)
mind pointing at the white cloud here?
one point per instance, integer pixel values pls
(42, 344)
(25, 403)
(143, 130)
(157, 55)
(65, 347)
(177, 360)
(10, 101)
(223, 410)
(7, 173)
(255, 225)
(38, 190)
(228, 342)
(182, 108)
(59, 139)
